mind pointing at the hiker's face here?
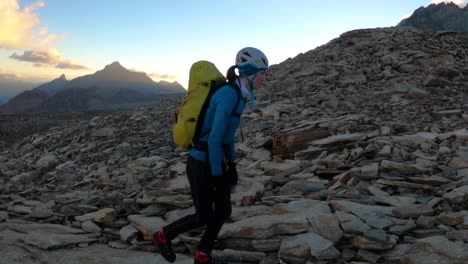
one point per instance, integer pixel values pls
(257, 83)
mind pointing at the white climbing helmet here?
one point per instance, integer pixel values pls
(251, 57)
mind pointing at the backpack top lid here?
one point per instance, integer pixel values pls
(203, 72)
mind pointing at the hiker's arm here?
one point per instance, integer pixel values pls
(224, 101)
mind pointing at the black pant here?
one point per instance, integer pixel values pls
(212, 200)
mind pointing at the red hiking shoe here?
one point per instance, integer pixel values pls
(164, 245)
(203, 258)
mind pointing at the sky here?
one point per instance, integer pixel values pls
(43, 39)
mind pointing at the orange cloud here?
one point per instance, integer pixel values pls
(66, 64)
(17, 26)
(46, 58)
(21, 29)
(5, 75)
(163, 76)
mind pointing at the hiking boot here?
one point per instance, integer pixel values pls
(203, 258)
(164, 245)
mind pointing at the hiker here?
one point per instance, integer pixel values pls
(211, 167)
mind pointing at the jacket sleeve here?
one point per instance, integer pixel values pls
(223, 101)
(231, 152)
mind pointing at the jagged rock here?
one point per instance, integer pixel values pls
(3, 216)
(403, 168)
(451, 219)
(265, 245)
(351, 224)
(146, 225)
(153, 210)
(457, 195)
(374, 216)
(397, 201)
(287, 167)
(460, 235)
(369, 243)
(369, 172)
(105, 215)
(302, 247)
(46, 161)
(239, 256)
(326, 225)
(412, 211)
(90, 227)
(441, 245)
(307, 207)
(128, 233)
(239, 213)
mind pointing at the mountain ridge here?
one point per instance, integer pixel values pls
(442, 16)
(107, 84)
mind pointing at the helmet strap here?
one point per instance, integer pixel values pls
(252, 94)
(252, 97)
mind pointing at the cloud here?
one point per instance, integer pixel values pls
(70, 65)
(46, 58)
(7, 76)
(21, 29)
(4, 75)
(163, 76)
(460, 3)
(18, 27)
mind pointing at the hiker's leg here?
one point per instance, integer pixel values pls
(198, 174)
(222, 211)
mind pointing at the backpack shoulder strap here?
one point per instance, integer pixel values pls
(236, 88)
(213, 86)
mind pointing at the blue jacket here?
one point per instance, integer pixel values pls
(219, 128)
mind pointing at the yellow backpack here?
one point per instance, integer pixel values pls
(204, 79)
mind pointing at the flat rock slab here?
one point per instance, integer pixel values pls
(373, 215)
(11, 253)
(443, 246)
(54, 241)
(102, 254)
(28, 228)
(308, 245)
(413, 211)
(265, 226)
(419, 256)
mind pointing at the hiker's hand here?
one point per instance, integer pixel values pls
(232, 174)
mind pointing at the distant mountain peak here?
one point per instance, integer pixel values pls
(442, 16)
(114, 66)
(61, 79)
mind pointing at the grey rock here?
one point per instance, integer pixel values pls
(303, 247)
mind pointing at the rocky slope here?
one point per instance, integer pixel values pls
(357, 153)
(443, 16)
(13, 128)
